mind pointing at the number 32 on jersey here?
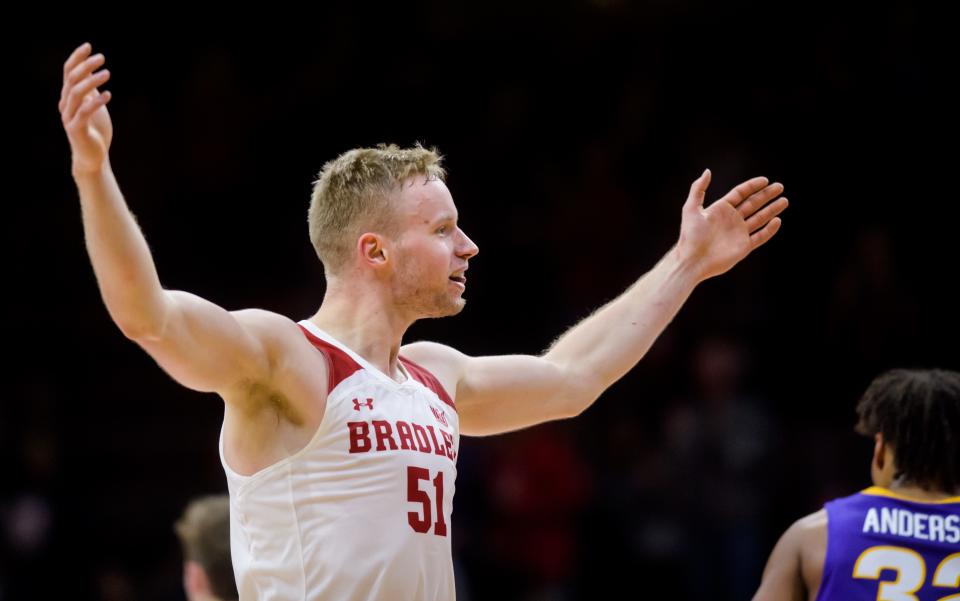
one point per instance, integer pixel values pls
(911, 572)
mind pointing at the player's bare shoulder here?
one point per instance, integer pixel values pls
(811, 533)
(444, 362)
(272, 329)
(793, 572)
(808, 530)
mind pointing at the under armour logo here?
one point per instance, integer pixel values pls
(368, 403)
(440, 415)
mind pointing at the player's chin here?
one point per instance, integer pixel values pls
(450, 307)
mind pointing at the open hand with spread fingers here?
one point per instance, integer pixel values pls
(717, 237)
(83, 109)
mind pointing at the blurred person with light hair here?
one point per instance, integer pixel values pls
(204, 533)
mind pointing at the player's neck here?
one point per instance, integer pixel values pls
(368, 326)
(907, 489)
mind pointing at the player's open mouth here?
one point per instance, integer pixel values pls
(460, 279)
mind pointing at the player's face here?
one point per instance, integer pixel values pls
(432, 252)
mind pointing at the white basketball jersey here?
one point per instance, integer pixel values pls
(363, 510)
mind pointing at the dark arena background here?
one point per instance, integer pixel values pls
(571, 133)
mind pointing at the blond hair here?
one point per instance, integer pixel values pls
(204, 533)
(352, 194)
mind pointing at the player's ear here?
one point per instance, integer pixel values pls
(195, 580)
(882, 469)
(372, 249)
(879, 458)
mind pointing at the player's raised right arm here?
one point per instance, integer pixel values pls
(200, 344)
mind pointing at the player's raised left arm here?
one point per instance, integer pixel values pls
(502, 393)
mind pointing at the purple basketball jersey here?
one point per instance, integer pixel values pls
(881, 546)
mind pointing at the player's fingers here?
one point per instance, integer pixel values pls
(763, 216)
(89, 106)
(757, 200)
(763, 235)
(81, 52)
(80, 92)
(698, 190)
(744, 190)
(78, 73)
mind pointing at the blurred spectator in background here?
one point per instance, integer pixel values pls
(204, 532)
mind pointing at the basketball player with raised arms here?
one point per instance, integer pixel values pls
(898, 540)
(338, 441)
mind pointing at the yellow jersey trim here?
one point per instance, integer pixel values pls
(879, 491)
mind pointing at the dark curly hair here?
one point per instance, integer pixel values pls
(918, 413)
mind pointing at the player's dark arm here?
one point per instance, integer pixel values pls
(783, 575)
